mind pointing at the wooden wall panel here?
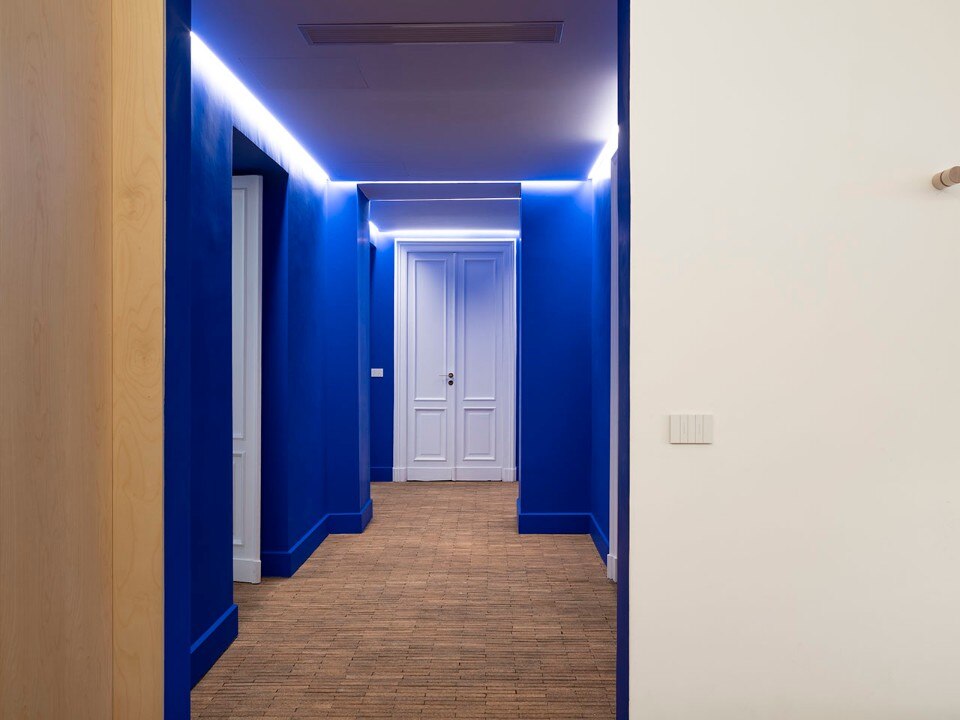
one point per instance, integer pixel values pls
(81, 358)
(138, 223)
(55, 350)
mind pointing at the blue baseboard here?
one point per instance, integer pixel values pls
(381, 474)
(284, 563)
(351, 523)
(564, 524)
(554, 523)
(211, 645)
(599, 539)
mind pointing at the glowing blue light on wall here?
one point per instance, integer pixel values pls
(601, 168)
(252, 113)
(452, 233)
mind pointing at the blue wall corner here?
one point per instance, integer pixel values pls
(380, 474)
(351, 523)
(212, 643)
(285, 563)
(177, 400)
(346, 303)
(555, 308)
(600, 362)
(599, 536)
(382, 356)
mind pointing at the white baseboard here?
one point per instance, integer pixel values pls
(509, 475)
(612, 567)
(247, 571)
(399, 474)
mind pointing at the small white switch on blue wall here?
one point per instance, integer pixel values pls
(691, 429)
(376, 372)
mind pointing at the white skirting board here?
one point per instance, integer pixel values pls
(247, 571)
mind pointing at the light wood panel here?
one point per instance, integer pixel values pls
(81, 322)
(55, 386)
(138, 221)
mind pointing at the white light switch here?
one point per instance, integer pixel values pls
(376, 372)
(691, 429)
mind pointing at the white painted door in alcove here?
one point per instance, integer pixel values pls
(246, 252)
(455, 344)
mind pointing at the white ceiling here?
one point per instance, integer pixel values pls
(428, 112)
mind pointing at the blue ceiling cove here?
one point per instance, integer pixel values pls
(537, 111)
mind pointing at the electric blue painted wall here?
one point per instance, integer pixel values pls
(213, 616)
(177, 389)
(556, 313)
(346, 333)
(315, 426)
(381, 356)
(600, 371)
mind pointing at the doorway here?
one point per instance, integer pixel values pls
(455, 345)
(246, 284)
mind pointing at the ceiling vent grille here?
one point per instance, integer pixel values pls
(431, 33)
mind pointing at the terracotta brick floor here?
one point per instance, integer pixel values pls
(439, 610)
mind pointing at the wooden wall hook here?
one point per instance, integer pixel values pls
(941, 181)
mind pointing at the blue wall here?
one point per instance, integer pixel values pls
(381, 356)
(600, 371)
(213, 616)
(177, 401)
(556, 314)
(346, 334)
(315, 421)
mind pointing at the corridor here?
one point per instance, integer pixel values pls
(438, 610)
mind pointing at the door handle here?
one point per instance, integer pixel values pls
(449, 375)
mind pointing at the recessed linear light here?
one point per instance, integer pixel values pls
(601, 168)
(252, 112)
(451, 233)
(431, 33)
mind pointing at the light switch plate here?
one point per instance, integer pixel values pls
(376, 372)
(691, 429)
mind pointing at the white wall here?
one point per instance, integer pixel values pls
(795, 274)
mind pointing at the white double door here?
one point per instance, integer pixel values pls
(246, 252)
(456, 361)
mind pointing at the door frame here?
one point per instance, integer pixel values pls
(248, 569)
(403, 247)
(614, 465)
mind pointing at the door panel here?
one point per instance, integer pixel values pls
(479, 310)
(480, 434)
(247, 198)
(480, 326)
(238, 504)
(430, 339)
(429, 351)
(430, 435)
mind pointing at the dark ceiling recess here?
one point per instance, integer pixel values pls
(431, 33)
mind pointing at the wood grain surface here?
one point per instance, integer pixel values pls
(439, 610)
